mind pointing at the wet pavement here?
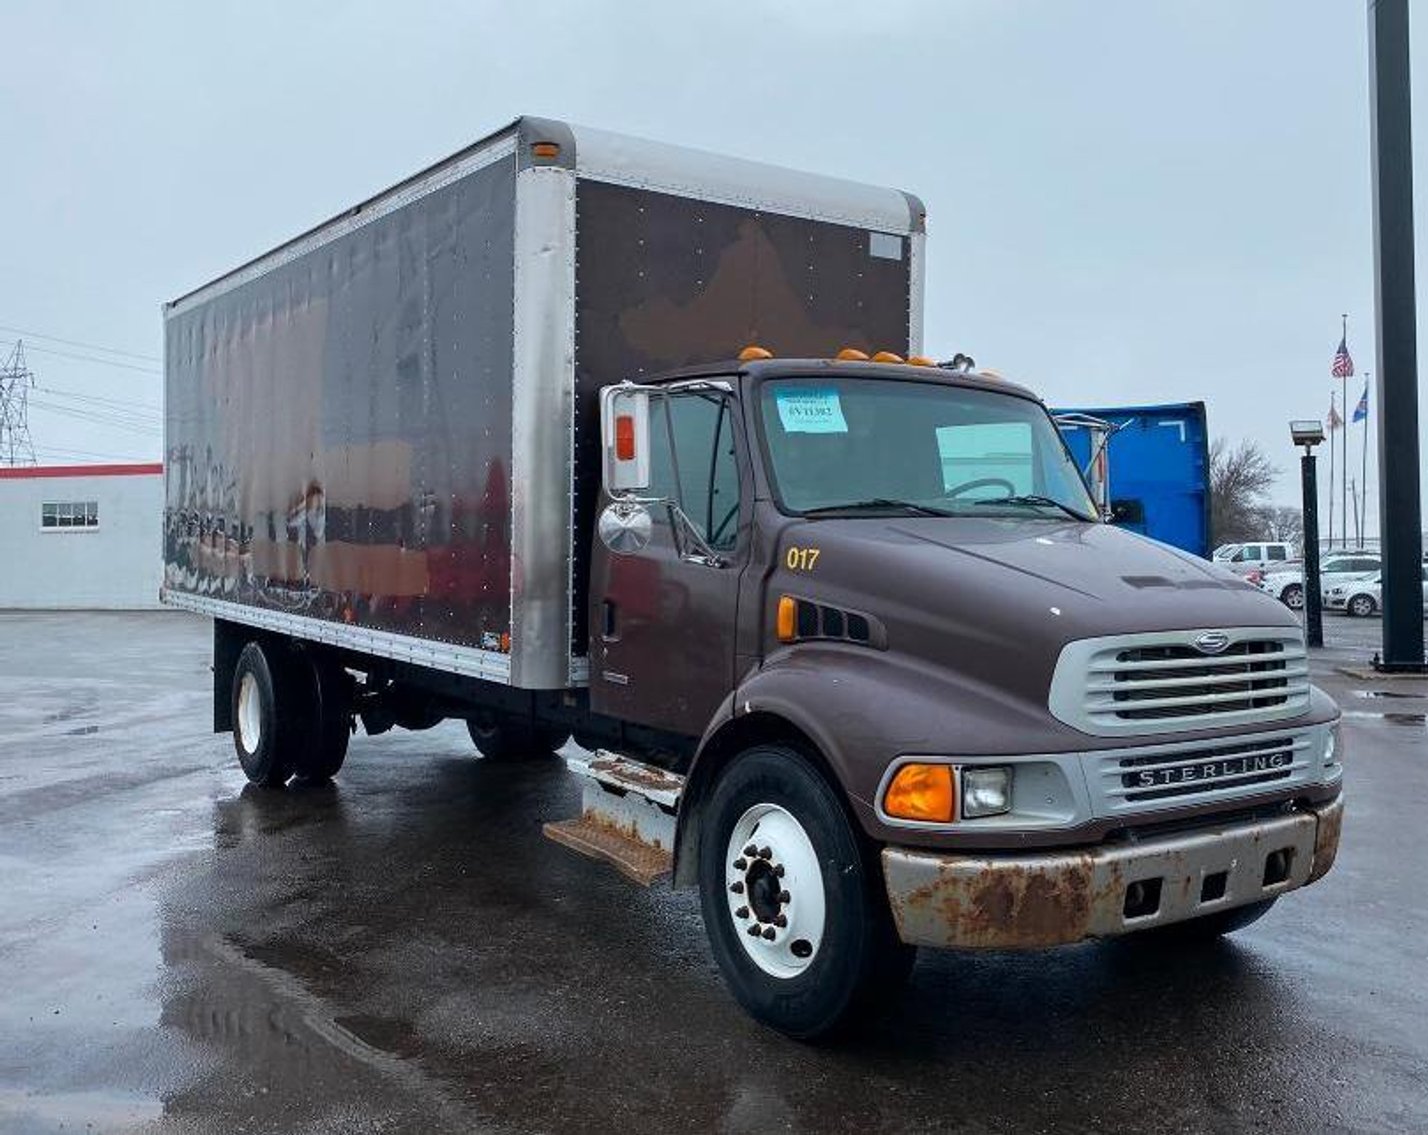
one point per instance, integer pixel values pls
(403, 951)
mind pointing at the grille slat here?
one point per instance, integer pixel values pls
(1200, 679)
(1190, 772)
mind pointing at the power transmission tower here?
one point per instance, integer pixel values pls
(16, 379)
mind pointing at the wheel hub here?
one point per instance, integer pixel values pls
(775, 890)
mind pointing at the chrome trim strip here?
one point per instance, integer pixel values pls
(489, 665)
(542, 430)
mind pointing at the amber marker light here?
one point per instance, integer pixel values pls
(852, 355)
(754, 352)
(922, 792)
(545, 150)
(787, 618)
(920, 361)
(887, 357)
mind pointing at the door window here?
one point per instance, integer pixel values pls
(693, 463)
(1276, 552)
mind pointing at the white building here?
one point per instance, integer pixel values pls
(81, 536)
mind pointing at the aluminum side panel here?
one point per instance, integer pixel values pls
(543, 372)
(338, 427)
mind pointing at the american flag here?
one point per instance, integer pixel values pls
(1343, 362)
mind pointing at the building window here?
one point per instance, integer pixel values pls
(69, 515)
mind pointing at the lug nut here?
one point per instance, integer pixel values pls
(781, 921)
(742, 912)
(754, 931)
(737, 888)
(751, 850)
(765, 853)
(741, 865)
(778, 870)
(768, 933)
(784, 896)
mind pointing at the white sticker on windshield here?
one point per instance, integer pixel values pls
(810, 412)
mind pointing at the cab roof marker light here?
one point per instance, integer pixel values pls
(545, 150)
(887, 357)
(852, 355)
(753, 352)
(920, 361)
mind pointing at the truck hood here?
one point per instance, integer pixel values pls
(995, 600)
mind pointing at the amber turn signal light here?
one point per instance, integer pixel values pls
(787, 618)
(922, 792)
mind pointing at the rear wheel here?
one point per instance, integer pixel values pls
(1362, 605)
(1293, 597)
(506, 737)
(792, 901)
(330, 721)
(271, 715)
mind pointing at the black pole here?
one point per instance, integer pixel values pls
(1313, 609)
(1400, 507)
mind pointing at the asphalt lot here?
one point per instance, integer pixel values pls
(403, 951)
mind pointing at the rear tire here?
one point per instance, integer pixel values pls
(271, 715)
(504, 737)
(330, 720)
(778, 856)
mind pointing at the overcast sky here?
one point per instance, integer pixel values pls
(1128, 202)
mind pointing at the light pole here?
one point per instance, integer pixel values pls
(1309, 434)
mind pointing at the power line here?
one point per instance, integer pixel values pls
(105, 419)
(87, 358)
(100, 400)
(52, 453)
(78, 343)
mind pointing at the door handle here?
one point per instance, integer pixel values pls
(609, 625)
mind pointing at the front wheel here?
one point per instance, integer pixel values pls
(1293, 597)
(1361, 605)
(792, 901)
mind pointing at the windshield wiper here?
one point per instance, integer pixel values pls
(1038, 501)
(878, 503)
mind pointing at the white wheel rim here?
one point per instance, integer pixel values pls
(250, 719)
(774, 885)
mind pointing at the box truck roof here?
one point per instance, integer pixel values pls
(617, 159)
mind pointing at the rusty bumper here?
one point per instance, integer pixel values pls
(1023, 901)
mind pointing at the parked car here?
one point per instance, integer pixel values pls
(1259, 556)
(1287, 584)
(1364, 596)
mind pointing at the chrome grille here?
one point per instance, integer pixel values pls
(1162, 683)
(1174, 775)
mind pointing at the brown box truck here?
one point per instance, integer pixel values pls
(576, 435)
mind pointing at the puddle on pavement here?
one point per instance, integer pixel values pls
(1388, 694)
(1413, 719)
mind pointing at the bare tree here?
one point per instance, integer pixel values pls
(1240, 479)
(1282, 522)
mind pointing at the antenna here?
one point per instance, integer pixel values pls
(16, 379)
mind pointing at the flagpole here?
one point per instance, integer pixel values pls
(1344, 443)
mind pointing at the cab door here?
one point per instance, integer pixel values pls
(663, 620)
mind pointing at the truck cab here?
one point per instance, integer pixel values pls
(877, 600)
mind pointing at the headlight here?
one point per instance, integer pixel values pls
(1333, 746)
(986, 792)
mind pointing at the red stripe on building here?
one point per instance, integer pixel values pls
(23, 472)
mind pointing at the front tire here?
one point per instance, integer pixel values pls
(792, 901)
(1361, 606)
(1293, 597)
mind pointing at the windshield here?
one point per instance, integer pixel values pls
(881, 445)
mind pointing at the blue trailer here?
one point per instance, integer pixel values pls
(1149, 465)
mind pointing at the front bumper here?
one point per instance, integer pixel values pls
(1054, 898)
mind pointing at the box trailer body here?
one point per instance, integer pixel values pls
(382, 433)
(1153, 468)
(573, 435)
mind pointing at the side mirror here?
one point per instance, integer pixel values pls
(625, 527)
(625, 436)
